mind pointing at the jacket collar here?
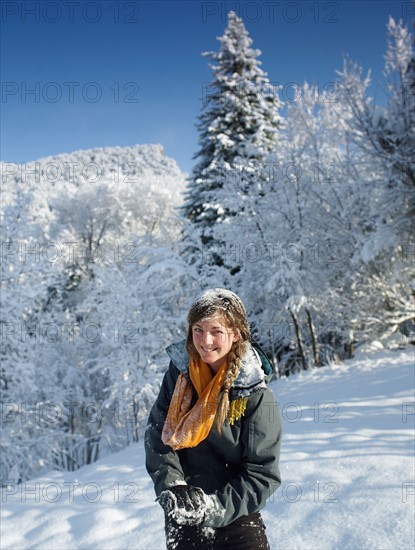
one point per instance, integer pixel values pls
(178, 354)
(255, 369)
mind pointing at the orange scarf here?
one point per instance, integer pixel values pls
(185, 426)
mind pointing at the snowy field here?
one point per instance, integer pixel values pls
(347, 474)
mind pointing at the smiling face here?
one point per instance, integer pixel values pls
(213, 339)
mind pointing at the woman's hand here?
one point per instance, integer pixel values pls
(185, 504)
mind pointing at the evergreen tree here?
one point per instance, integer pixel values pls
(238, 128)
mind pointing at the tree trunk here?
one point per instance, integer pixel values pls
(299, 341)
(314, 342)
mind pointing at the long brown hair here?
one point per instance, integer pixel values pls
(219, 302)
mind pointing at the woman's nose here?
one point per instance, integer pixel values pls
(207, 338)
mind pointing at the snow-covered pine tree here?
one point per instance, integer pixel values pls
(238, 127)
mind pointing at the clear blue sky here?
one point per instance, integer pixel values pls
(89, 62)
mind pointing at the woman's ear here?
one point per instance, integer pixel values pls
(235, 336)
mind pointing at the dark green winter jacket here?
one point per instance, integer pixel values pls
(239, 467)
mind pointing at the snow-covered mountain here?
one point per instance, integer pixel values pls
(347, 473)
(141, 181)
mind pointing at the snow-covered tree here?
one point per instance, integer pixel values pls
(386, 136)
(23, 270)
(238, 127)
(315, 245)
(92, 293)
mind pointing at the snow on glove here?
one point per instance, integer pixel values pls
(185, 504)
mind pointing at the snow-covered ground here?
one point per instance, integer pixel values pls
(347, 467)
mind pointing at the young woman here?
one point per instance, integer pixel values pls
(213, 436)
